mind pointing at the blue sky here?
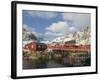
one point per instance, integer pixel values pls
(49, 25)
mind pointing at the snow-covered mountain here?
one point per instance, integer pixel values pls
(28, 37)
(46, 42)
(59, 39)
(81, 37)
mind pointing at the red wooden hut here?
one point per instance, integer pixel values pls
(34, 46)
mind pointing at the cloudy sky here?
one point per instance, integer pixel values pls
(49, 25)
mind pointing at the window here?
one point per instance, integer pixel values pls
(26, 46)
(32, 46)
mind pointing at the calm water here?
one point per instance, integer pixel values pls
(56, 60)
(30, 64)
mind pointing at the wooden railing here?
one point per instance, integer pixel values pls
(70, 48)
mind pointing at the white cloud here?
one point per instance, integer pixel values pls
(72, 29)
(68, 16)
(58, 27)
(53, 33)
(31, 29)
(41, 14)
(79, 19)
(28, 27)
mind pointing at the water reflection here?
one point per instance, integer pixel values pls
(56, 60)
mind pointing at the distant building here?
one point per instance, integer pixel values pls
(71, 42)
